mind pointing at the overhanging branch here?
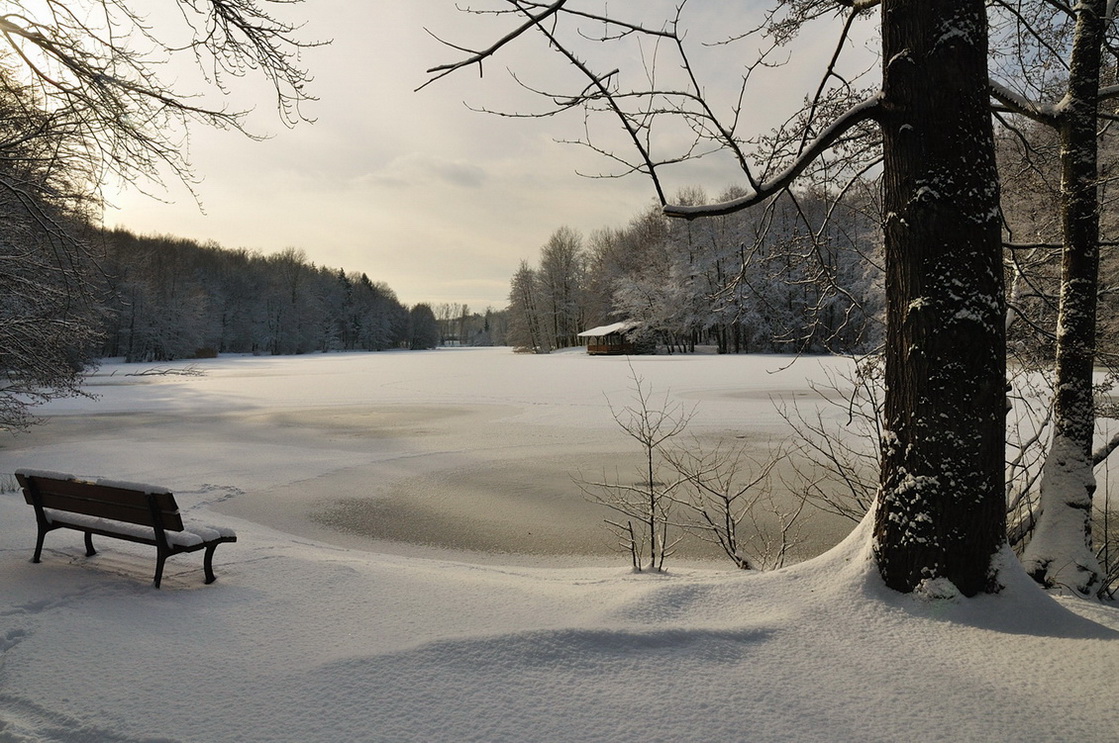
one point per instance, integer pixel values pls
(477, 57)
(1045, 113)
(854, 116)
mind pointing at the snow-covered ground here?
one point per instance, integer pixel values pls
(424, 631)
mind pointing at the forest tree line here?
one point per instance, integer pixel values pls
(83, 105)
(802, 274)
(168, 298)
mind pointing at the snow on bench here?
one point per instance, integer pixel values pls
(135, 512)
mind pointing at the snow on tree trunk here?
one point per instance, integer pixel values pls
(1060, 550)
(941, 513)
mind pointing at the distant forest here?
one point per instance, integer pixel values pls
(802, 273)
(167, 298)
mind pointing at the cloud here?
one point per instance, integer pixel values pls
(418, 169)
(415, 188)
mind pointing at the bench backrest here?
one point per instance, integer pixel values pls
(102, 501)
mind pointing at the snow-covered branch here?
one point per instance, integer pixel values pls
(859, 6)
(1045, 113)
(1099, 455)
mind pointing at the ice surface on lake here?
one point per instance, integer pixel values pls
(304, 639)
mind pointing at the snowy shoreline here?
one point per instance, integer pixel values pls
(468, 453)
(306, 640)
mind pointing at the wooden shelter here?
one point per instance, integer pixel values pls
(613, 339)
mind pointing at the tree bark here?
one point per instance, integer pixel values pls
(941, 512)
(1060, 550)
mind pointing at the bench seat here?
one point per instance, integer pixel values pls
(192, 535)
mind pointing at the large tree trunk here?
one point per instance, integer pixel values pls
(941, 511)
(1060, 550)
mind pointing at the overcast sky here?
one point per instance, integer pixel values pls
(412, 188)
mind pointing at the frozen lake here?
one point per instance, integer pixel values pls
(472, 593)
(463, 452)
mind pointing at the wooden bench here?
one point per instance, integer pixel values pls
(136, 513)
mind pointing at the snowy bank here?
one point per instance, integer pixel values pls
(305, 640)
(300, 641)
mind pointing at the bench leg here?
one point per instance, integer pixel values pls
(159, 568)
(39, 545)
(208, 563)
(89, 551)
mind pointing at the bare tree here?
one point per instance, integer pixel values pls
(115, 73)
(648, 501)
(940, 513)
(90, 90)
(527, 326)
(49, 317)
(561, 275)
(731, 501)
(839, 459)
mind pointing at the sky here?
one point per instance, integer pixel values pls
(415, 189)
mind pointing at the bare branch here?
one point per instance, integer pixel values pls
(865, 111)
(478, 57)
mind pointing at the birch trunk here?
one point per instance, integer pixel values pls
(1060, 550)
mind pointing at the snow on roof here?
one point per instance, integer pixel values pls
(601, 330)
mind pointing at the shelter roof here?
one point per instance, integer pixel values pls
(601, 330)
